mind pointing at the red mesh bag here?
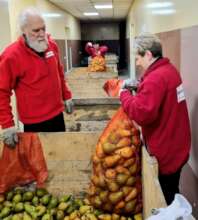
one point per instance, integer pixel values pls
(23, 164)
(116, 177)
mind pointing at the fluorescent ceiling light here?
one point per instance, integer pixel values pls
(103, 6)
(51, 15)
(91, 13)
(163, 12)
(159, 5)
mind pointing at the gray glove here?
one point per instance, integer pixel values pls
(130, 84)
(69, 106)
(10, 137)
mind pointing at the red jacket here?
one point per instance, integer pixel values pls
(93, 52)
(159, 107)
(38, 83)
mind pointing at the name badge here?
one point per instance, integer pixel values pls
(49, 54)
(180, 94)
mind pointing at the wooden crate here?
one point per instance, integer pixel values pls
(68, 160)
(88, 85)
(89, 116)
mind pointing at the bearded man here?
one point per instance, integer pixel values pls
(31, 68)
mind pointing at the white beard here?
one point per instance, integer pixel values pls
(38, 45)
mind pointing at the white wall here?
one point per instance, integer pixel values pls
(5, 37)
(185, 15)
(55, 26)
(189, 67)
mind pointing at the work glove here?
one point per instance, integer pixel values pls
(10, 137)
(69, 106)
(130, 84)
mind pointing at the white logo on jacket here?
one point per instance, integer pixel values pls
(49, 54)
(180, 94)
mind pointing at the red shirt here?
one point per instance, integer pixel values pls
(93, 52)
(159, 107)
(38, 83)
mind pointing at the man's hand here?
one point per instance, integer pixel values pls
(10, 137)
(69, 106)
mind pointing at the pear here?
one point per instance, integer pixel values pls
(9, 195)
(47, 216)
(2, 198)
(91, 216)
(16, 217)
(60, 215)
(108, 148)
(103, 196)
(63, 205)
(131, 181)
(53, 202)
(105, 217)
(17, 198)
(64, 198)
(8, 204)
(130, 206)
(27, 196)
(19, 207)
(85, 208)
(115, 197)
(26, 216)
(45, 199)
(35, 200)
(40, 192)
(121, 178)
(113, 186)
(40, 210)
(5, 212)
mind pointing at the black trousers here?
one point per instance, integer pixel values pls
(55, 124)
(170, 185)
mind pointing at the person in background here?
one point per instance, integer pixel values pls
(95, 50)
(31, 68)
(160, 108)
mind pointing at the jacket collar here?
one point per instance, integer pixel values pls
(158, 63)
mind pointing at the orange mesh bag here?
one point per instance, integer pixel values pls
(97, 64)
(23, 164)
(112, 87)
(116, 177)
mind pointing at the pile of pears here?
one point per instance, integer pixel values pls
(21, 204)
(116, 178)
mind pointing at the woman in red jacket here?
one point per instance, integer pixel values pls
(159, 107)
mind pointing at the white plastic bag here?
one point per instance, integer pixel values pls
(179, 209)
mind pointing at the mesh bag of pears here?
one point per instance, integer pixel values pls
(20, 204)
(116, 175)
(97, 64)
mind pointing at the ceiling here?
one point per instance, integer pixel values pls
(78, 7)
